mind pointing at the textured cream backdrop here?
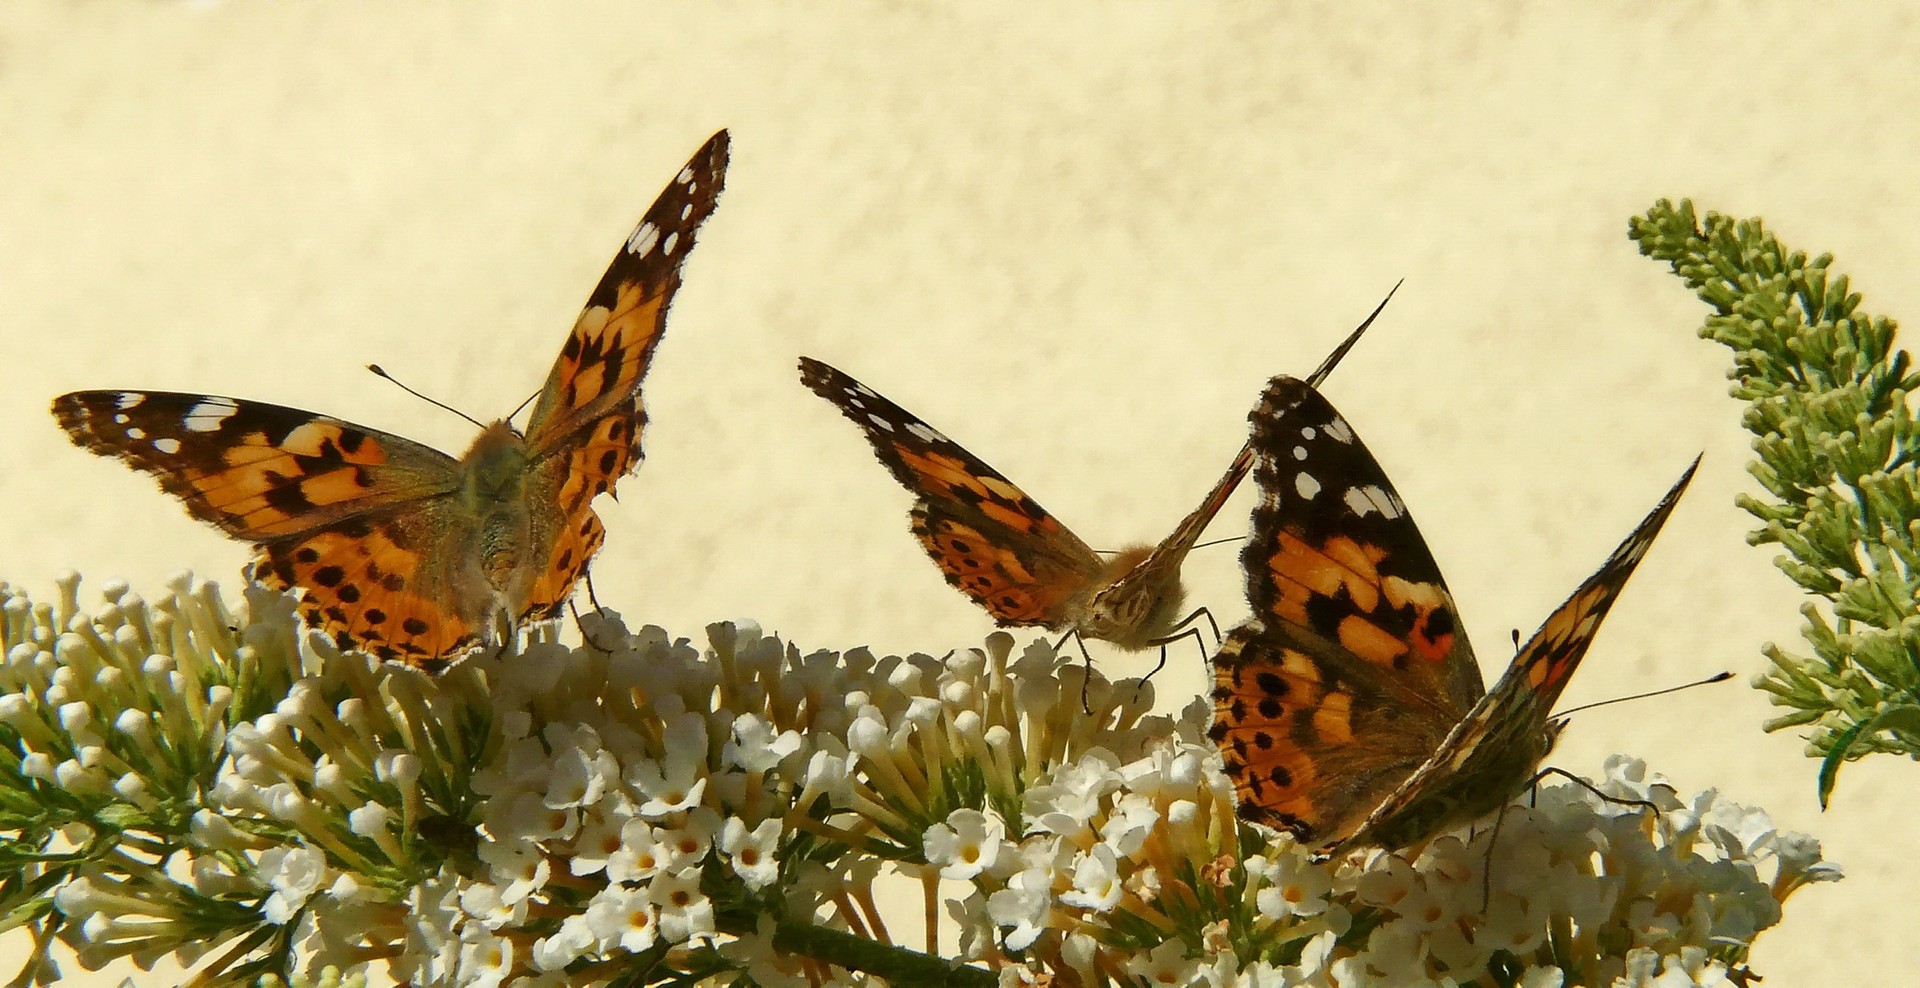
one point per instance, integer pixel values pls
(1077, 239)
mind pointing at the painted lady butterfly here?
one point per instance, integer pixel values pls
(1349, 708)
(397, 548)
(999, 547)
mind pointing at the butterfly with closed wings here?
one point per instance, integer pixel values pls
(396, 548)
(1349, 708)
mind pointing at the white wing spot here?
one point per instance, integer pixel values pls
(643, 239)
(136, 433)
(673, 241)
(1306, 432)
(880, 423)
(129, 399)
(1339, 431)
(1299, 452)
(167, 446)
(121, 419)
(210, 414)
(1306, 485)
(686, 211)
(686, 176)
(926, 433)
(1361, 500)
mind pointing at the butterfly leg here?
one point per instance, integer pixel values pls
(1192, 631)
(1588, 786)
(586, 573)
(584, 635)
(1086, 664)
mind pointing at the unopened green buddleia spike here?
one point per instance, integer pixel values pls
(1836, 444)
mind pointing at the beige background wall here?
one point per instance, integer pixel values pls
(1077, 239)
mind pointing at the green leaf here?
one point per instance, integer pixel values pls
(1905, 717)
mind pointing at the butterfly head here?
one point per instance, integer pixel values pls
(497, 464)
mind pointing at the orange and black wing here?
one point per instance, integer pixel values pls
(1354, 665)
(992, 541)
(355, 518)
(585, 428)
(1488, 758)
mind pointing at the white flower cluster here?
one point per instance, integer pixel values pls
(1125, 873)
(569, 816)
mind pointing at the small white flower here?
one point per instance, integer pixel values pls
(968, 843)
(1096, 881)
(685, 913)
(575, 937)
(294, 873)
(485, 959)
(1295, 887)
(751, 852)
(622, 915)
(639, 856)
(519, 869)
(579, 777)
(1066, 803)
(754, 745)
(676, 782)
(600, 836)
(1165, 966)
(1023, 905)
(1129, 823)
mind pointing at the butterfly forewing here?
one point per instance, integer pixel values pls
(993, 542)
(1355, 664)
(606, 356)
(254, 470)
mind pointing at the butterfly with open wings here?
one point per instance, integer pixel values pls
(1349, 709)
(396, 548)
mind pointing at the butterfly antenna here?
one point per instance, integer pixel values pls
(524, 402)
(396, 382)
(1333, 359)
(1230, 538)
(1719, 677)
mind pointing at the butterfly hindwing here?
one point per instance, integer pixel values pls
(993, 542)
(389, 583)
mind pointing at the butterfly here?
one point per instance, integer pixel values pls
(396, 548)
(1005, 552)
(1349, 709)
